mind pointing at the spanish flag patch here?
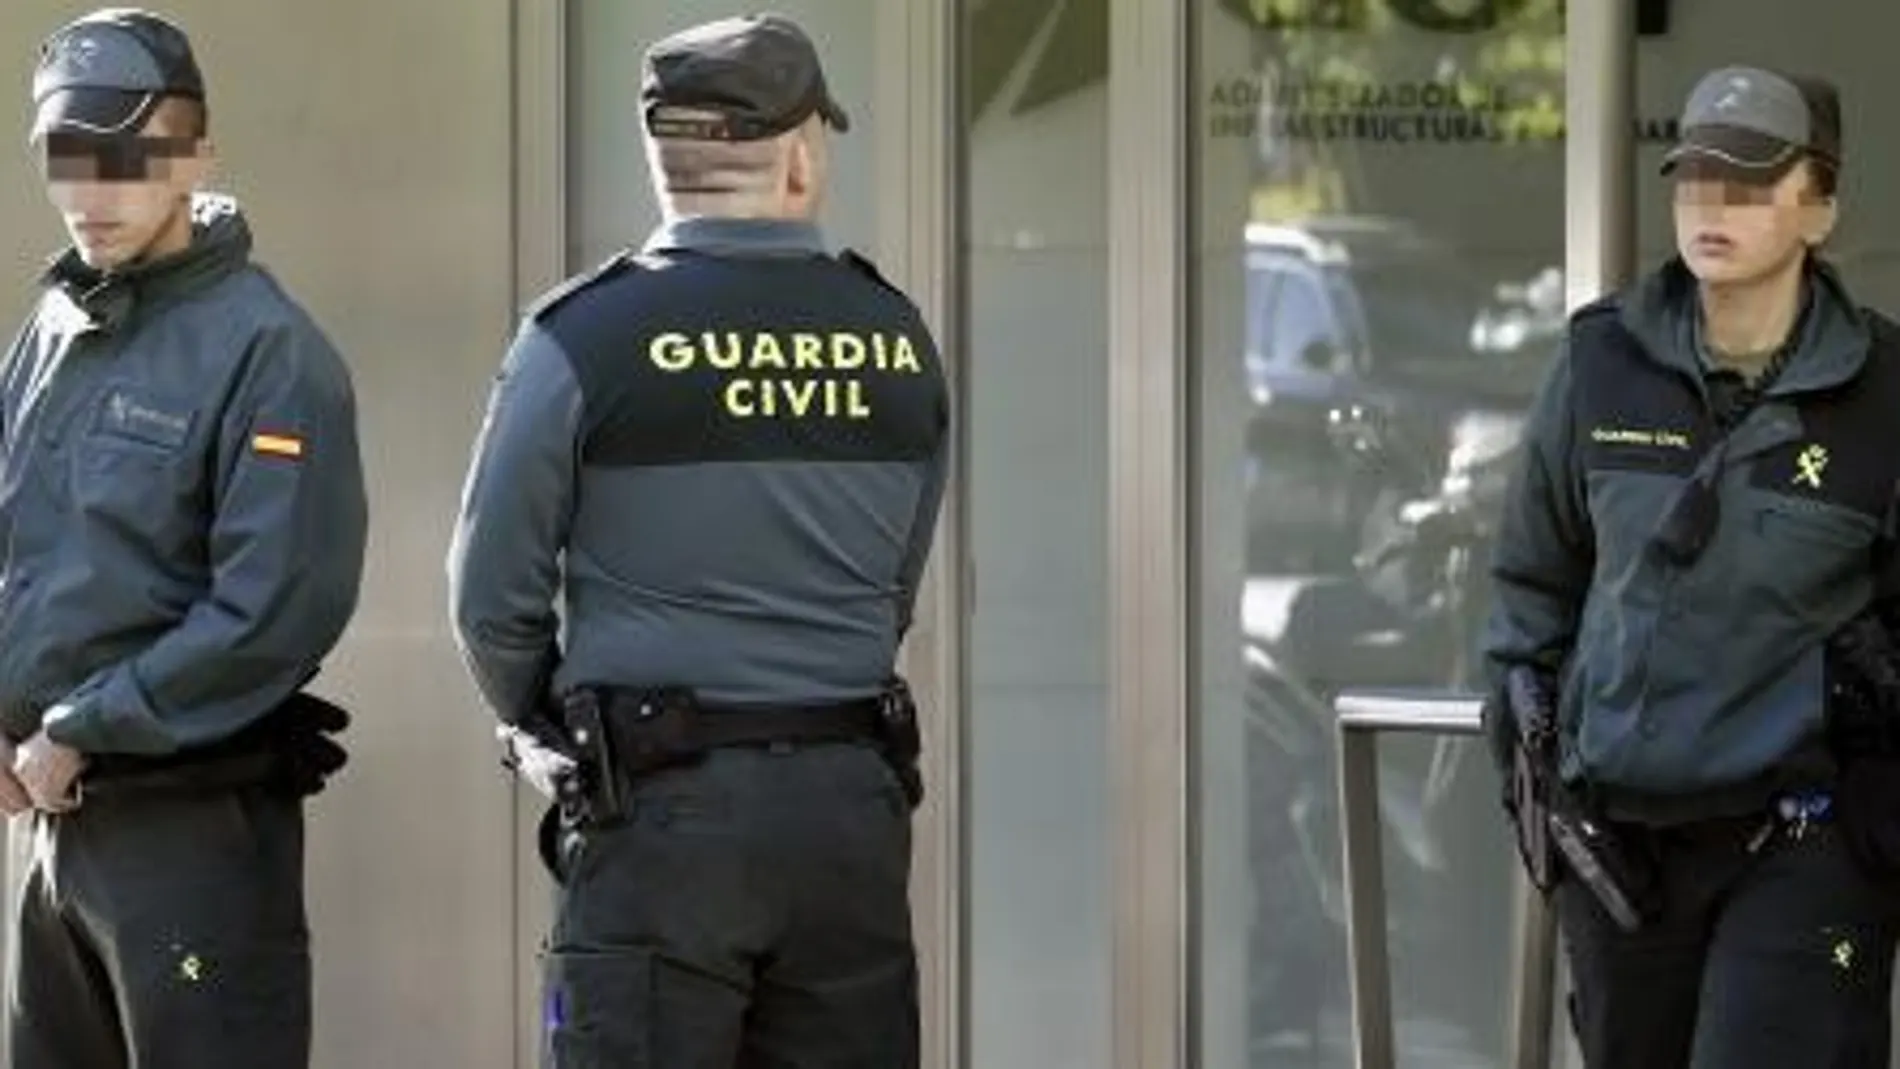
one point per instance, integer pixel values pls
(277, 445)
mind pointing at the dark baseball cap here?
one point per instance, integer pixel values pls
(104, 73)
(1757, 124)
(756, 76)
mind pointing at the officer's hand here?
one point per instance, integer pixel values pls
(48, 771)
(13, 797)
(535, 761)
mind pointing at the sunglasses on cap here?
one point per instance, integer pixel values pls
(90, 157)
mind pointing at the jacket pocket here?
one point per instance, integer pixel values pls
(134, 465)
(1808, 552)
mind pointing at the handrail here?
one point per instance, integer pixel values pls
(1363, 716)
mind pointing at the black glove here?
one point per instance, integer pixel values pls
(1529, 714)
(307, 755)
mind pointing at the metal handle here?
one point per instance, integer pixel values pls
(1362, 718)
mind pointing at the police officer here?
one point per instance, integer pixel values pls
(724, 452)
(183, 516)
(1706, 498)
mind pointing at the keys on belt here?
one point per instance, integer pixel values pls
(1793, 814)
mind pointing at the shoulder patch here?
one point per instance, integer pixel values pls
(557, 296)
(862, 264)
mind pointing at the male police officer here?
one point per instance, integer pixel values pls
(735, 445)
(1706, 498)
(182, 507)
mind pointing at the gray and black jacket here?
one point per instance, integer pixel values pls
(723, 454)
(1697, 691)
(182, 512)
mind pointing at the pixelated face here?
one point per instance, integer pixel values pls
(119, 194)
(1732, 228)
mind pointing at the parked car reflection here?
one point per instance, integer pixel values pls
(1354, 315)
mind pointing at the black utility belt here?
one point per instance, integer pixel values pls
(618, 736)
(639, 731)
(642, 730)
(724, 726)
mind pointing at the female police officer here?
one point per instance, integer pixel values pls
(1707, 483)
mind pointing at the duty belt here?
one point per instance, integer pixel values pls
(618, 736)
(723, 726)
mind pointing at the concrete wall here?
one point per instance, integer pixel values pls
(370, 143)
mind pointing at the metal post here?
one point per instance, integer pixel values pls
(1369, 965)
(1362, 719)
(1599, 148)
(1153, 955)
(1534, 977)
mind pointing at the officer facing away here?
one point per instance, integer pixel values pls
(182, 508)
(725, 453)
(1706, 499)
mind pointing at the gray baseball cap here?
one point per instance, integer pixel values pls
(1756, 123)
(758, 76)
(105, 72)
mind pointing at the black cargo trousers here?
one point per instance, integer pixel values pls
(748, 911)
(1768, 953)
(163, 930)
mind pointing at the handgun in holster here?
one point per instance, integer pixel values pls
(592, 793)
(1552, 828)
(900, 739)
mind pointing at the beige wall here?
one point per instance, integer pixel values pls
(371, 144)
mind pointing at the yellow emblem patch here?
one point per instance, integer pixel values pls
(1809, 466)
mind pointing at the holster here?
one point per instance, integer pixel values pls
(592, 794)
(1555, 831)
(1599, 858)
(901, 739)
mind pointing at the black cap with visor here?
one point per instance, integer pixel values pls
(105, 73)
(1753, 125)
(737, 79)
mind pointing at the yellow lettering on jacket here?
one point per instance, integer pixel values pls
(789, 374)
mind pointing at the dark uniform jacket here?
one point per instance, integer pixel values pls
(1697, 691)
(725, 453)
(182, 512)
